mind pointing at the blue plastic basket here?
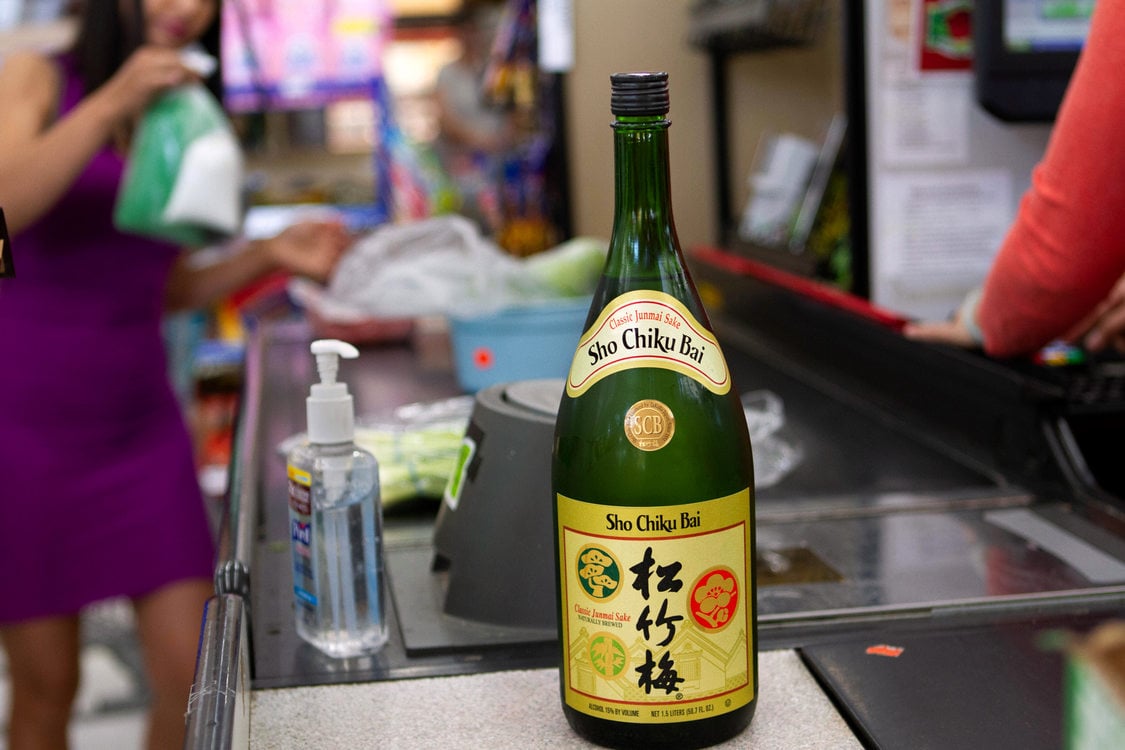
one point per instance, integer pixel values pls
(517, 343)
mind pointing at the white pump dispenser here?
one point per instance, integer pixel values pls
(329, 407)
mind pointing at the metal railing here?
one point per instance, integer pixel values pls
(218, 715)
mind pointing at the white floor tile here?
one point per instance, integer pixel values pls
(106, 682)
(122, 730)
(118, 731)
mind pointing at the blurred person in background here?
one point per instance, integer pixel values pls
(475, 136)
(99, 487)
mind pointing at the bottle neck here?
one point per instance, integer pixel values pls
(642, 192)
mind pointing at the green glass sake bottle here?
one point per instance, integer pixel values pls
(653, 481)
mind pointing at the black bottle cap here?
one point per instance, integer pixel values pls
(639, 94)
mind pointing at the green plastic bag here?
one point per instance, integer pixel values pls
(183, 176)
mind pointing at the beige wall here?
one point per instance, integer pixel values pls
(794, 90)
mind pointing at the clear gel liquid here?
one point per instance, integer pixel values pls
(338, 576)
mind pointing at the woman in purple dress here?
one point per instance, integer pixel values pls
(98, 490)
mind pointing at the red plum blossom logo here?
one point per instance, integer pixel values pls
(714, 598)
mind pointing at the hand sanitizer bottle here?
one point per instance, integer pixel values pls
(336, 521)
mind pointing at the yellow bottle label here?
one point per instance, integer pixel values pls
(298, 475)
(646, 328)
(657, 609)
(301, 537)
(300, 490)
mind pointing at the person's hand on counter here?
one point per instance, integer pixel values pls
(960, 330)
(1103, 328)
(953, 332)
(310, 248)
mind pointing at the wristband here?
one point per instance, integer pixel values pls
(967, 315)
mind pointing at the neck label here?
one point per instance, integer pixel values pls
(647, 328)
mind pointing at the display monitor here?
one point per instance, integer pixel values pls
(1024, 52)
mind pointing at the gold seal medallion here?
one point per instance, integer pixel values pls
(649, 424)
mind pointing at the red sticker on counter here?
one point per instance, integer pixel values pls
(884, 650)
(483, 358)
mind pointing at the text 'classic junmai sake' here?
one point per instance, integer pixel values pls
(653, 481)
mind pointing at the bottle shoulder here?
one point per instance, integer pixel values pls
(609, 400)
(329, 449)
(704, 448)
(313, 455)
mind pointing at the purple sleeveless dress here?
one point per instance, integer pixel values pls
(98, 491)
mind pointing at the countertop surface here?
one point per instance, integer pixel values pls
(514, 709)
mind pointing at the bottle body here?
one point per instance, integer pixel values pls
(336, 541)
(652, 476)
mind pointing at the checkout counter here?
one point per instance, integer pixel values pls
(945, 514)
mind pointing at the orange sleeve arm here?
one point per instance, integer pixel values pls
(1066, 247)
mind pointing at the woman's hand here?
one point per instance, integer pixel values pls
(956, 331)
(310, 248)
(953, 332)
(1102, 328)
(42, 154)
(148, 72)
